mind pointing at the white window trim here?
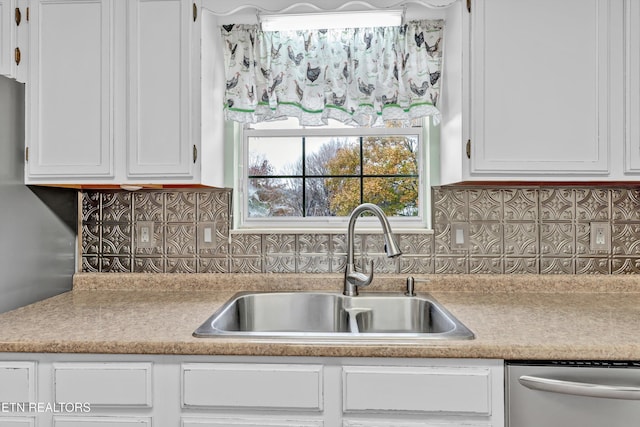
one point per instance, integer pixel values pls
(294, 225)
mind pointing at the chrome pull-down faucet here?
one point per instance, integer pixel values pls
(353, 278)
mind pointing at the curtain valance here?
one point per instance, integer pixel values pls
(359, 76)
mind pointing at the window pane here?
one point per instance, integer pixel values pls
(390, 155)
(343, 195)
(271, 197)
(269, 156)
(395, 196)
(318, 198)
(332, 156)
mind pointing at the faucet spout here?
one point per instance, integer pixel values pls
(353, 278)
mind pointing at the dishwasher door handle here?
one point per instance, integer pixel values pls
(580, 389)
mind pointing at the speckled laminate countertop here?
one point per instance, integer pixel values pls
(513, 317)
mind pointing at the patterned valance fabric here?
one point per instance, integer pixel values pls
(358, 76)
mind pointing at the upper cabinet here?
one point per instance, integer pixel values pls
(115, 93)
(546, 90)
(160, 137)
(632, 130)
(14, 37)
(128, 91)
(70, 92)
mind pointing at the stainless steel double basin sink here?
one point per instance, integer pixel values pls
(320, 315)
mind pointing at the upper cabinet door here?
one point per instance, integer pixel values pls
(161, 144)
(7, 41)
(632, 139)
(540, 87)
(14, 39)
(69, 91)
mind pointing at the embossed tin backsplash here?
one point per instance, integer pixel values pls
(512, 230)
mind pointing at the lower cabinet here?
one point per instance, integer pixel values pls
(101, 422)
(75, 390)
(17, 422)
(17, 385)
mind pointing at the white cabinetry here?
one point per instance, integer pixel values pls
(416, 389)
(289, 387)
(115, 93)
(14, 36)
(103, 384)
(349, 392)
(632, 137)
(544, 94)
(17, 385)
(160, 77)
(101, 422)
(208, 391)
(70, 92)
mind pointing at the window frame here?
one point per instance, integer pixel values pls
(307, 224)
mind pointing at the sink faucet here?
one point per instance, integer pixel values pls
(353, 278)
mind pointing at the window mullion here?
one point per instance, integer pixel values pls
(304, 177)
(361, 169)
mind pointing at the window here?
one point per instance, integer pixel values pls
(315, 176)
(244, 144)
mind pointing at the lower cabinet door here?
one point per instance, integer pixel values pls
(405, 423)
(255, 386)
(17, 422)
(426, 390)
(17, 382)
(104, 384)
(101, 422)
(251, 422)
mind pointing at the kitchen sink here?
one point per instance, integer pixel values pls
(327, 315)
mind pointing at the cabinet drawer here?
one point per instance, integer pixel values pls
(17, 422)
(250, 422)
(17, 381)
(416, 389)
(104, 384)
(404, 423)
(252, 386)
(102, 422)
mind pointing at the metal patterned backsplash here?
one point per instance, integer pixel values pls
(511, 230)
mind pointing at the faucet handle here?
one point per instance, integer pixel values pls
(361, 279)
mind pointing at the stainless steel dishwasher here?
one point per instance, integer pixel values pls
(573, 393)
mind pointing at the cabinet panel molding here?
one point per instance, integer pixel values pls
(17, 422)
(417, 389)
(104, 384)
(263, 421)
(253, 386)
(114, 421)
(17, 382)
(404, 423)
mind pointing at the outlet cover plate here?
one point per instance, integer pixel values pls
(459, 236)
(145, 234)
(207, 235)
(600, 237)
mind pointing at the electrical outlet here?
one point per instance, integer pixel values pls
(459, 235)
(145, 237)
(600, 238)
(207, 235)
